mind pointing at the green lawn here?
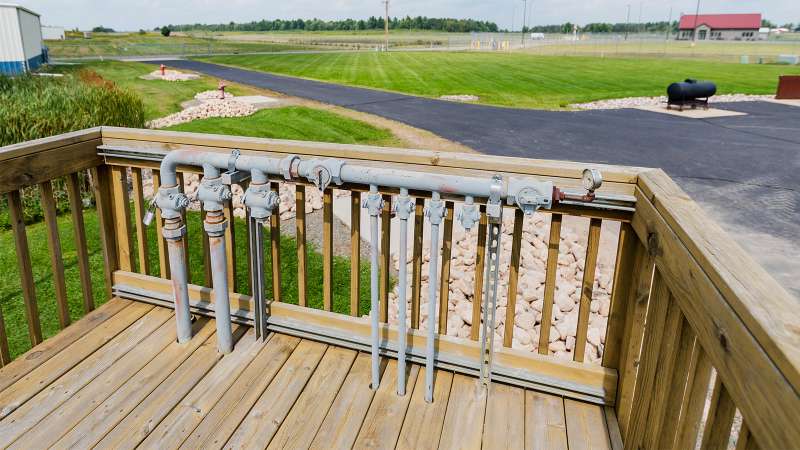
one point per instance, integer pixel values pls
(297, 123)
(11, 300)
(135, 44)
(514, 79)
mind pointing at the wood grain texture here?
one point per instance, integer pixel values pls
(45, 165)
(301, 425)
(122, 217)
(142, 248)
(416, 261)
(95, 423)
(355, 252)
(327, 249)
(16, 218)
(466, 408)
(230, 245)
(592, 247)
(545, 425)
(480, 264)
(384, 419)
(553, 244)
(161, 243)
(48, 202)
(719, 419)
(101, 188)
(224, 397)
(300, 221)
(504, 424)
(345, 416)
(679, 380)
(447, 249)
(586, 426)
(385, 257)
(694, 401)
(5, 355)
(627, 243)
(423, 423)
(275, 247)
(267, 414)
(513, 278)
(81, 250)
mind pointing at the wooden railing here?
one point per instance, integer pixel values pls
(687, 302)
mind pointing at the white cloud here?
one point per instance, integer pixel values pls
(132, 15)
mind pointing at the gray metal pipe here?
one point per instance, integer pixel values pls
(403, 211)
(435, 214)
(173, 233)
(374, 204)
(219, 276)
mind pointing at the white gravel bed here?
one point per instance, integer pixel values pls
(460, 98)
(170, 75)
(633, 102)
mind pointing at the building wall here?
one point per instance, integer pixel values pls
(53, 33)
(31, 29)
(11, 54)
(720, 35)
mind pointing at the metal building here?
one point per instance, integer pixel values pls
(20, 40)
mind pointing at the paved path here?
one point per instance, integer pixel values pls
(744, 170)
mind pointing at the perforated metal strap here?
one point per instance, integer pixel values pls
(492, 278)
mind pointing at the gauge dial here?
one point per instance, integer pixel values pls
(592, 179)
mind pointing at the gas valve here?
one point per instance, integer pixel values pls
(261, 201)
(171, 201)
(213, 193)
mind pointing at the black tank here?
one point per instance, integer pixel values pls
(690, 90)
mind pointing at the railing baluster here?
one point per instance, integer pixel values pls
(54, 245)
(678, 381)
(416, 273)
(660, 302)
(513, 278)
(300, 220)
(720, 418)
(623, 277)
(275, 246)
(746, 440)
(24, 266)
(230, 244)
(386, 256)
(553, 245)
(355, 252)
(589, 266)
(207, 276)
(101, 187)
(447, 248)
(182, 188)
(327, 249)
(161, 243)
(694, 399)
(82, 253)
(480, 264)
(139, 211)
(122, 214)
(5, 355)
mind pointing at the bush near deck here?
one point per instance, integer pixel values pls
(514, 79)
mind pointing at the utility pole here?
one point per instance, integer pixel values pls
(524, 19)
(628, 21)
(694, 28)
(669, 23)
(386, 25)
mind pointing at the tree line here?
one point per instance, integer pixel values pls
(605, 27)
(372, 23)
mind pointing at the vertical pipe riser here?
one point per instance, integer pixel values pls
(180, 290)
(222, 309)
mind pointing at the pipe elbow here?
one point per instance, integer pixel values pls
(169, 167)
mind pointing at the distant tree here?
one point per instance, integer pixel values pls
(102, 29)
(766, 23)
(141, 31)
(165, 31)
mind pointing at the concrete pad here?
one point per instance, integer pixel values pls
(691, 113)
(258, 101)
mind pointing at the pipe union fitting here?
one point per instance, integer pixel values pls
(216, 229)
(287, 164)
(528, 196)
(174, 234)
(324, 172)
(171, 201)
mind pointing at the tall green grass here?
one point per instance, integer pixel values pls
(33, 107)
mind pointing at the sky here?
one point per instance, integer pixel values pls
(128, 15)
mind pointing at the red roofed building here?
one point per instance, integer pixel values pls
(731, 27)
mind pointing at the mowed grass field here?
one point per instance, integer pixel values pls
(514, 79)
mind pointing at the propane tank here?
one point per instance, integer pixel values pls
(690, 90)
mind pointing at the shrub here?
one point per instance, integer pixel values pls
(165, 31)
(35, 107)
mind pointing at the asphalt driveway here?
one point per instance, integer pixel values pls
(745, 170)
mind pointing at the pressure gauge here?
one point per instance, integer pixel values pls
(591, 179)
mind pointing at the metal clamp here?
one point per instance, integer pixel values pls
(435, 209)
(233, 176)
(287, 164)
(373, 203)
(403, 206)
(529, 196)
(171, 201)
(469, 214)
(494, 207)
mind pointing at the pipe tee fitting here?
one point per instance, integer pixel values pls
(261, 200)
(213, 193)
(171, 201)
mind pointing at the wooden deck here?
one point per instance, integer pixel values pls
(118, 379)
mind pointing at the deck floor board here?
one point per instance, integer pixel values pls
(120, 380)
